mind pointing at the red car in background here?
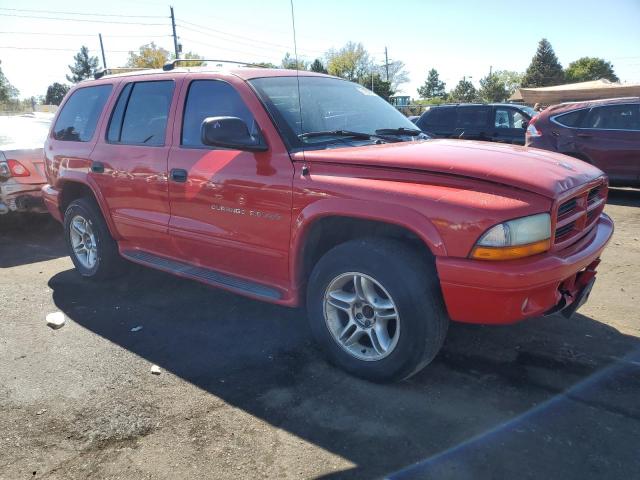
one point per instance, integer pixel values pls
(605, 133)
(22, 172)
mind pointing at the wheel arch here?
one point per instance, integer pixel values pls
(318, 228)
(71, 190)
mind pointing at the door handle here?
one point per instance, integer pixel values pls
(97, 167)
(584, 135)
(178, 175)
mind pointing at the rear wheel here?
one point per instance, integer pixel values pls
(91, 248)
(376, 309)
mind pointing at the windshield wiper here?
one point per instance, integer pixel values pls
(410, 132)
(341, 133)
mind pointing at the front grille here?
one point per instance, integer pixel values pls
(594, 194)
(564, 231)
(567, 207)
(577, 214)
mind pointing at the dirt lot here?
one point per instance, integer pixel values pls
(243, 393)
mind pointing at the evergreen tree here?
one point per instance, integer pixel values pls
(85, 66)
(464, 92)
(317, 66)
(55, 93)
(378, 85)
(433, 87)
(544, 70)
(493, 89)
(289, 62)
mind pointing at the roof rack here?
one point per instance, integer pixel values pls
(172, 64)
(110, 71)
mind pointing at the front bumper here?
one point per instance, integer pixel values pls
(486, 292)
(51, 198)
(20, 197)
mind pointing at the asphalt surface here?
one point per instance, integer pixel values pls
(244, 394)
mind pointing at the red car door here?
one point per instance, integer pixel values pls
(611, 139)
(130, 162)
(230, 209)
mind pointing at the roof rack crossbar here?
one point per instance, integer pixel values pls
(109, 71)
(172, 64)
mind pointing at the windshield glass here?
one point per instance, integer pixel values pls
(328, 105)
(529, 111)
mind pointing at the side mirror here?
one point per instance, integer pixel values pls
(230, 132)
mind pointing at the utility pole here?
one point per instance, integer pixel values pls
(386, 62)
(104, 59)
(490, 69)
(175, 37)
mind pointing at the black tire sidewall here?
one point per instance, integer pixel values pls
(411, 287)
(86, 210)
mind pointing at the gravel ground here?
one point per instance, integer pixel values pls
(243, 393)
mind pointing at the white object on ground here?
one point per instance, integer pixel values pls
(155, 369)
(55, 320)
(136, 329)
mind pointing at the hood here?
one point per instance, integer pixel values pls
(538, 171)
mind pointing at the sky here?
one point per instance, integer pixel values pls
(462, 38)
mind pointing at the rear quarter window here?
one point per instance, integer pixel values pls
(79, 116)
(443, 117)
(571, 119)
(472, 117)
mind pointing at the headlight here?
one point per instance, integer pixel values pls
(517, 238)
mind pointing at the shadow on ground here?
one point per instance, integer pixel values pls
(21, 239)
(547, 398)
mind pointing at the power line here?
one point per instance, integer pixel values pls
(83, 35)
(55, 49)
(79, 13)
(81, 20)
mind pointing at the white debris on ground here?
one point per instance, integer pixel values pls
(136, 329)
(55, 320)
(155, 369)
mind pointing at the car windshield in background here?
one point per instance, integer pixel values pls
(24, 131)
(331, 112)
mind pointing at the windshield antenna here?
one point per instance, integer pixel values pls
(295, 51)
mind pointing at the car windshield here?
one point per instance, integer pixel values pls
(24, 131)
(331, 112)
(529, 111)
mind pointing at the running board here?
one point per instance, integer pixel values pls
(202, 274)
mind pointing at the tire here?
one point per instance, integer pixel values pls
(106, 261)
(398, 273)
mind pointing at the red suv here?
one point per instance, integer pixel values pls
(605, 133)
(301, 188)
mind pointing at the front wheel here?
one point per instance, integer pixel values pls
(376, 309)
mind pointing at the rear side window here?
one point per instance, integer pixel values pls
(141, 113)
(442, 117)
(211, 98)
(79, 117)
(571, 119)
(472, 117)
(614, 117)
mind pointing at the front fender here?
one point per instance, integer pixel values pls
(361, 209)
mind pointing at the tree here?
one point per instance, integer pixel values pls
(85, 66)
(351, 62)
(7, 91)
(377, 85)
(590, 68)
(397, 74)
(511, 80)
(317, 66)
(55, 93)
(289, 62)
(544, 70)
(148, 56)
(492, 89)
(464, 92)
(264, 64)
(197, 60)
(433, 87)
